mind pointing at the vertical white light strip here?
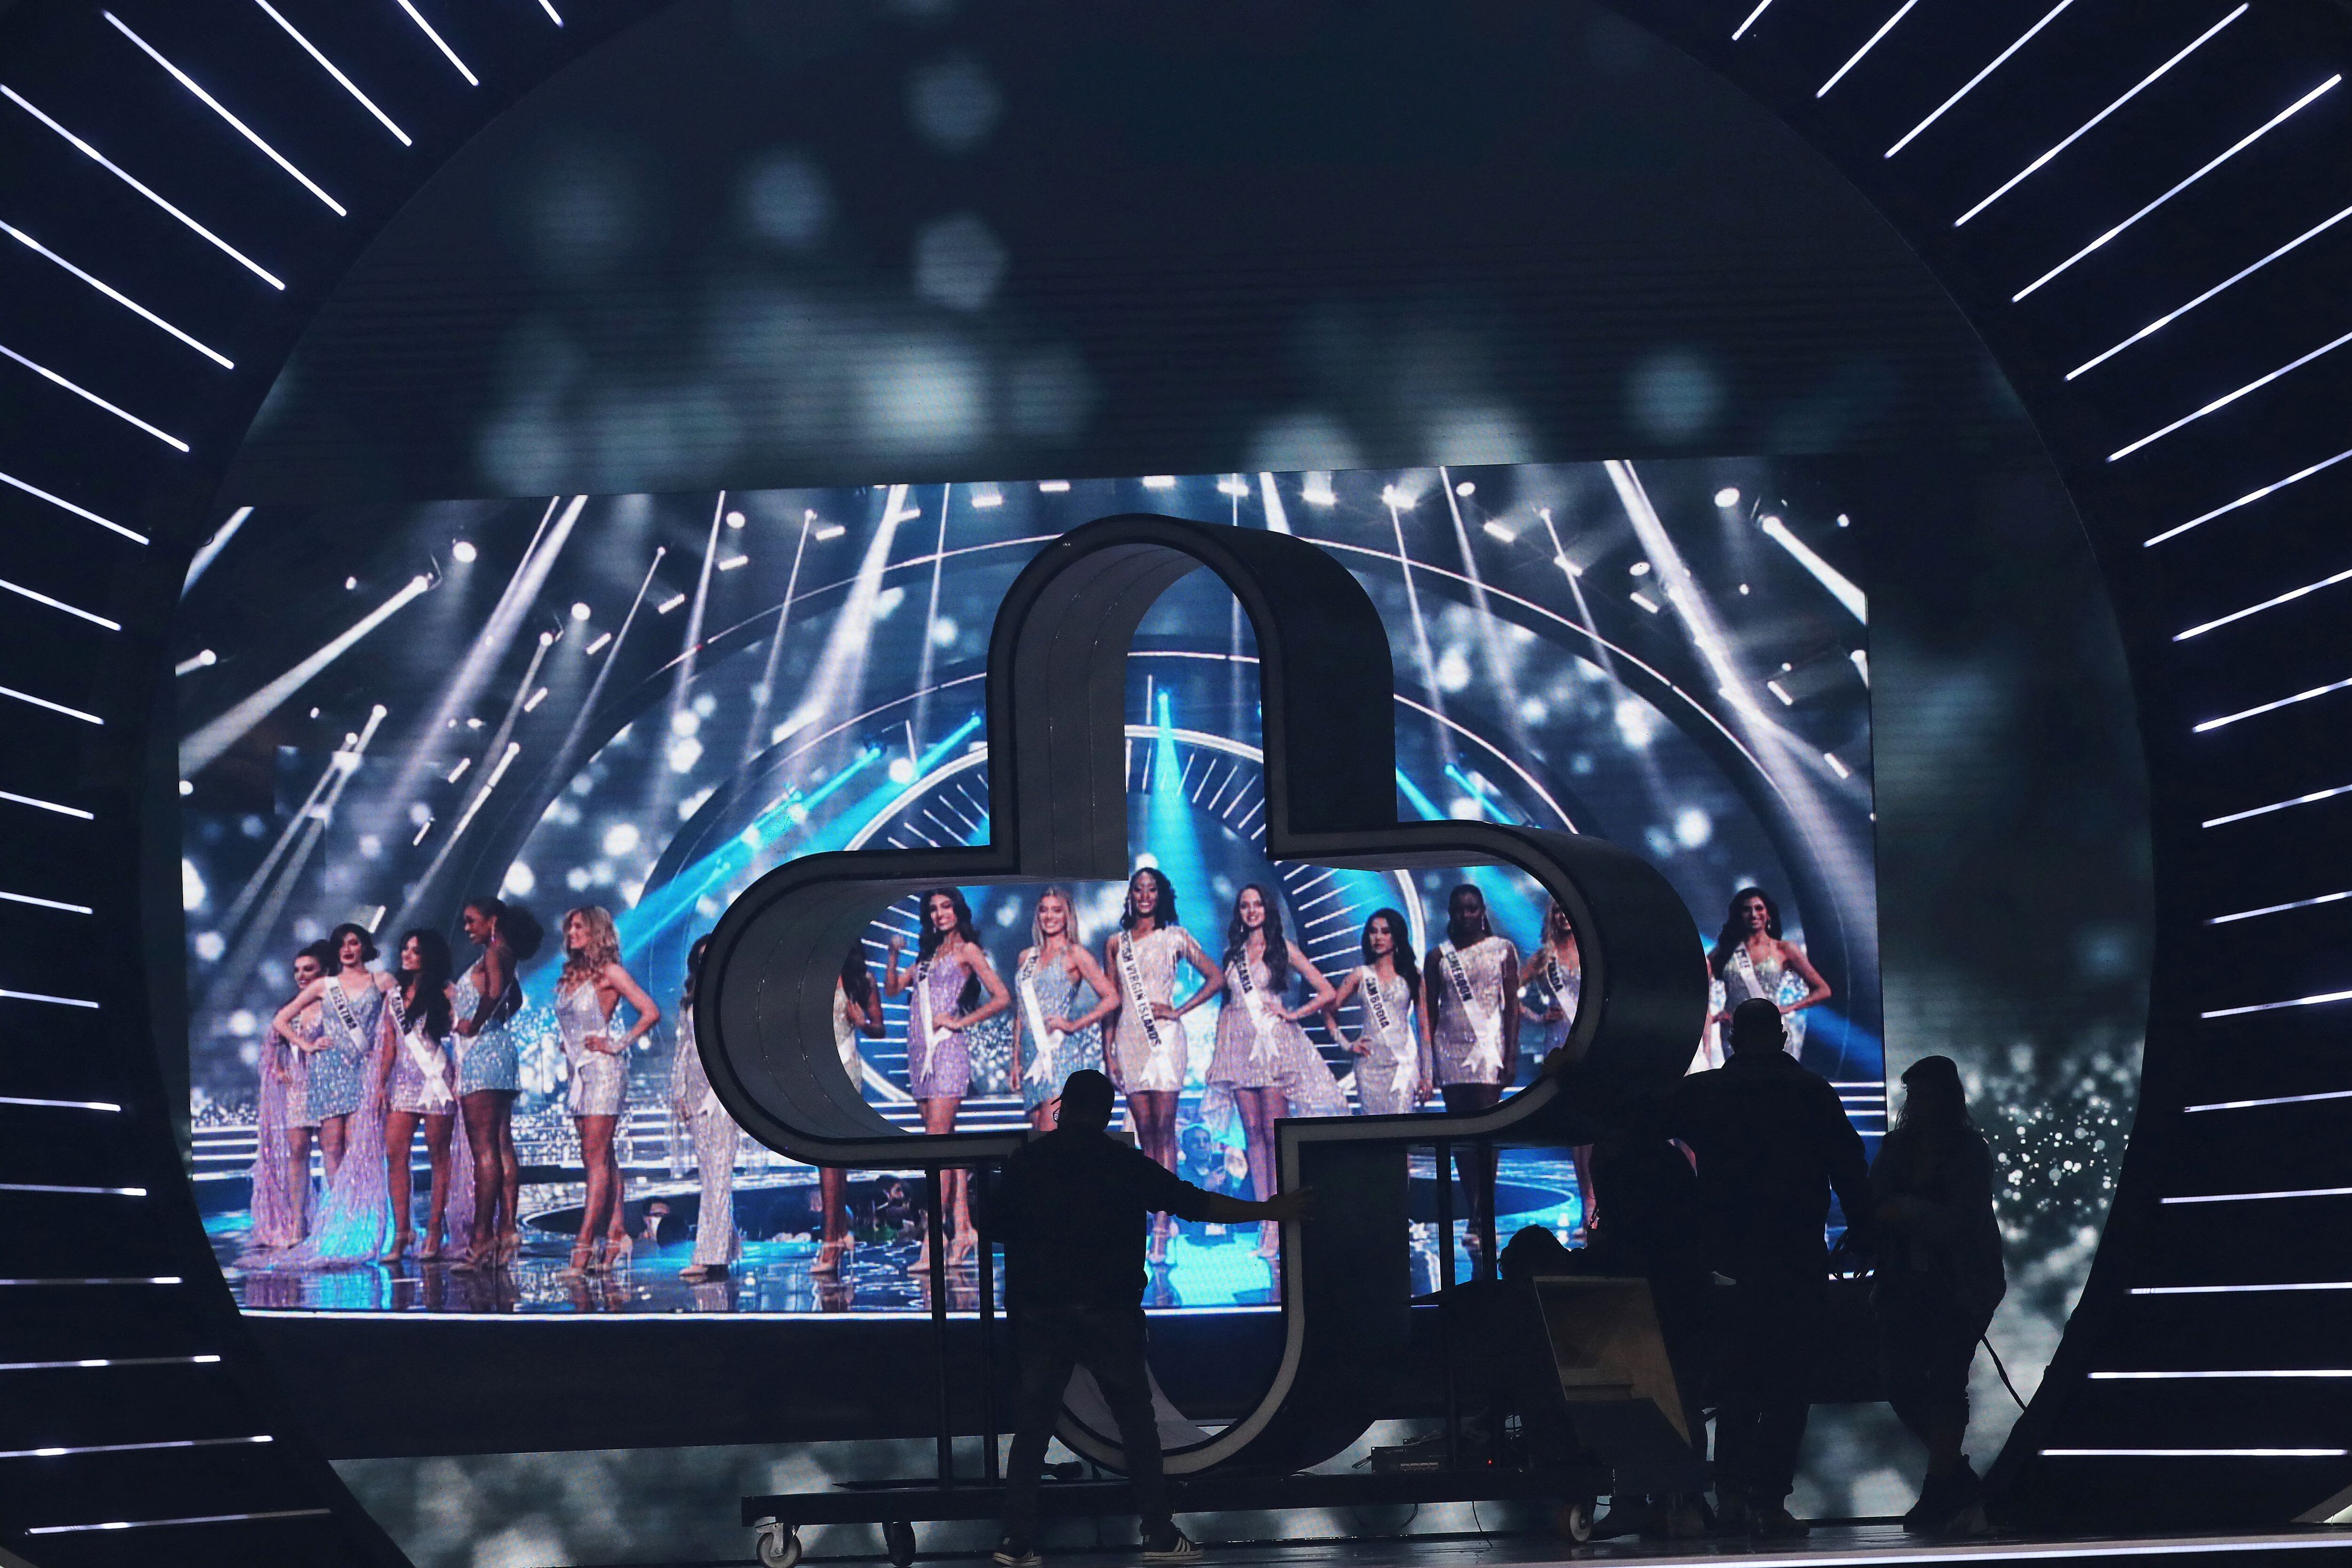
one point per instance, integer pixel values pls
(2267, 126)
(329, 68)
(1973, 82)
(2088, 125)
(103, 161)
(127, 304)
(2220, 403)
(211, 548)
(2290, 596)
(217, 107)
(28, 697)
(85, 513)
(40, 598)
(2176, 530)
(1869, 44)
(2235, 278)
(45, 373)
(1741, 31)
(439, 43)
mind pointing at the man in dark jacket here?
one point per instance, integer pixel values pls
(1772, 1143)
(1070, 1210)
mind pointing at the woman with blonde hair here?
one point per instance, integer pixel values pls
(592, 985)
(1052, 1041)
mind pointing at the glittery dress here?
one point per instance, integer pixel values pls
(422, 1074)
(716, 1139)
(1545, 985)
(1270, 1051)
(939, 1069)
(297, 1072)
(1463, 1055)
(1044, 1068)
(487, 1061)
(844, 1038)
(336, 1078)
(599, 1080)
(1746, 978)
(1141, 1064)
(1397, 1064)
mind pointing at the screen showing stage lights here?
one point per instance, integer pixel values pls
(593, 721)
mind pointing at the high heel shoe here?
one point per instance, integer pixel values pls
(583, 1259)
(399, 1251)
(618, 1250)
(507, 1249)
(829, 1259)
(431, 1251)
(962, 1247)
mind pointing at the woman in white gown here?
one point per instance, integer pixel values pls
(1393, 1068)
(717, 1244)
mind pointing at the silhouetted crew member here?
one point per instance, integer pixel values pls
(1939, 1278)
(1772, 1143)
(1070, 1210)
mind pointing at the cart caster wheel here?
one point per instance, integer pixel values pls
(778, 1547)
(1574, 1521)
(898, 1540)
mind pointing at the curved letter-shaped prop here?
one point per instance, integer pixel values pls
(1057, 760)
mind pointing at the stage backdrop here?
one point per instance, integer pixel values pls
(640, 703)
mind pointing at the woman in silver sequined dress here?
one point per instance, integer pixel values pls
(592, 985)
(422, 1089)
(1751, 960)
(1393, 1070)
(1263, 1059)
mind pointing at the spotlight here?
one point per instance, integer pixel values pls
(732, 561)
(1465, 490)
(350, 583)
(597, 646)
(581, 612)
(1726, 498)
(1318, 490)
(902, 770)
(187, 788)
(547, 640)
(1647, 602)
(1496, 530)
(830, 531)
(987, 496)
(464, 552)
(672, 603)
(1053, 487)
(734, 519)
(1639, 569)
(1233, 485)
(1160, 482)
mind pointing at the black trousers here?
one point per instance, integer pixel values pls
(1926, 1344)
(1771, 1327)
(1048, 1344)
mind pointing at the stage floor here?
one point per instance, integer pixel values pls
(1857, 1545)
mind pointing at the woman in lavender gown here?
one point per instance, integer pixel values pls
(954, 988)
(281, 1153)
(346, 1092)
(593, 986)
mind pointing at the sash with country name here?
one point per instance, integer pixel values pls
(1404, 1063)
(431, 1064)
(1486, 1023)
(928, 1036)
(1049, 1041)
(1130, 986)
(346, 1015)
(1254, 1004)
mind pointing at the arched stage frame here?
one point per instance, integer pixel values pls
(2072, 174)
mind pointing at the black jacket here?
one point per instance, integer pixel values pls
(1773, 1142)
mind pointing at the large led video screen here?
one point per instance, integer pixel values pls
(464, 783)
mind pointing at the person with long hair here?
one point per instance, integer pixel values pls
(349, 1002)
(717, 1245)
(856, 1010)
(1470, 1014)
(955, 988)
(1149, 1055)
(1940, 1277)
(1054, 1039)
(1751, 960)
(284, 1123)
(592, 985)
(1394, 1071)
(1554, 983)
(346, 1093)
(423, 1088)
(1263, 1059)
(489, 1069)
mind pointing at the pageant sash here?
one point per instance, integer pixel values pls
(345, 1014)
(928, 1036)
(431, 1063)
(1130, 986)
(1404, 1065)
(1486, 1023)
(1049, 1041)
(1253, 1003)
